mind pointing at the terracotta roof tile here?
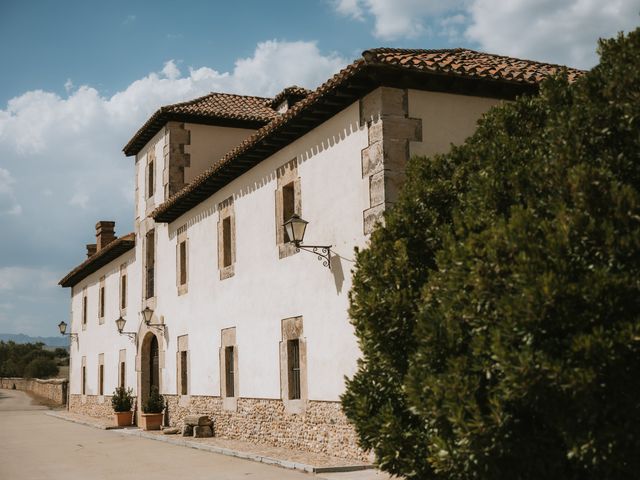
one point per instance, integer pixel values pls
(99, 259)
(255, 111)
(460, 61)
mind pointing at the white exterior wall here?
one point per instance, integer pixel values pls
(264, 289)
(208, 145)
(446, 118)
(104, 338)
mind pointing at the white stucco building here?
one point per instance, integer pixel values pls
(244, 328)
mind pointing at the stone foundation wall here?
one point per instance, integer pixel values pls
(54, 389)
(322, 428)
(92, 405)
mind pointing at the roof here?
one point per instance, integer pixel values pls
(452, 70)
(470, 63)
(99, 259)
(293, 92)
(213, 109)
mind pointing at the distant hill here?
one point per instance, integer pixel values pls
(49, 341)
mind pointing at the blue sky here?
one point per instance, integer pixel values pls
(79, 77)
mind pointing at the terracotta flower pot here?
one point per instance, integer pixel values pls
(123, 419)
(151, 421)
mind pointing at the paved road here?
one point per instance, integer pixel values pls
(35, 446)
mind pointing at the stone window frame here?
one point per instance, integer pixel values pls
(122, 368)
(102, 292)
(183, 347)
(182, 239)
(123, 290)
(226, 210)
(84, 308)
(100, 376)
(83, 376)
(292, 329)
(228, 339)
(286, 174)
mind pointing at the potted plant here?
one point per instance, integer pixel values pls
(151, 417)
(121, 402)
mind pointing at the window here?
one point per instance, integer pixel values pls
(182, 362)
(123, 292)
(83, 376)
(122, 368)
(293, 360)
(101, 301)
(228, 355)
(226, 239)
(183, 373)
(293, 373)
(229, 372)
(226, 242)
(123, 378)
(150, 263)
(288, 205)
(84, 310)
(100, 379)
(183, 263)
(150, 179)
(288, 202)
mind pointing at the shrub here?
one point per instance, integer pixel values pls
(498, 310)
(155, 402)
(41, 367)
(122, 399)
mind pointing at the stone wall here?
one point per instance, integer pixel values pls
(322, 428)
(98, 406)
(54, 389)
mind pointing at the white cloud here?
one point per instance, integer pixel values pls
(349, 8)
(8, 202)
(68, 85)
(63, 168)
(559, 31)
(397, 19)
(171, 70)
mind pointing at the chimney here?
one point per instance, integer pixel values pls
(104, 234)
(91, 249)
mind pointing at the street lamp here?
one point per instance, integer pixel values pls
(147, 314)
(295, 228)
(120, 322)
(63, 331)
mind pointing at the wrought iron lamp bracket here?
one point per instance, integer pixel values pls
(323, 252)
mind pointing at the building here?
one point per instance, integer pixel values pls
(242, 326)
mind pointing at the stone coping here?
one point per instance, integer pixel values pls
(282, 457)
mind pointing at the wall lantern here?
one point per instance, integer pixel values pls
(147, 314)
(120, 322)
(295, 228)
(63, 331)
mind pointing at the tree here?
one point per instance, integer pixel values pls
(498, 309)
(41, 367)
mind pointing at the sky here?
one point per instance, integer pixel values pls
(80, 77)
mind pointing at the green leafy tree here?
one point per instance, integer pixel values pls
(498, 309)
(15, 358)
(41, 367)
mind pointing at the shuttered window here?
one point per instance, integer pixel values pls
(293, 359)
